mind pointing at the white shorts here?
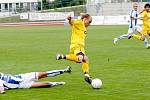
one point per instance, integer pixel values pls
(28, 79)
(135, 28)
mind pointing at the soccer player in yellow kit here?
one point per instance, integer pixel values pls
(77, 52)
(145, 16)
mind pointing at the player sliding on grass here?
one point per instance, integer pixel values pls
(77, 52)
(145, 16)
(133, 25)
(29, 80)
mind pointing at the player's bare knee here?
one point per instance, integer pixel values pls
(85, 59)
(41, 75)
(80, 58)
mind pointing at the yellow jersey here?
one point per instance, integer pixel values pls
(149, 21)
(78, 33)
(146, 20)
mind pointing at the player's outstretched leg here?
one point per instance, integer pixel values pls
(50, 74)
(71, 57)
(80, 58)
(120, 38)
(54, 73)
(85, 69)
(46, 84)
(142, 38)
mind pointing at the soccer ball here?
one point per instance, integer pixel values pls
(96, 83)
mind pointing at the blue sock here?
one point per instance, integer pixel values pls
(54, 73)
(145, 42)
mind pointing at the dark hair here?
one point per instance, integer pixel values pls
(147, 5)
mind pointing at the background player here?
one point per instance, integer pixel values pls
(133, 26)
(77, 52)
(145, 16)
(29, 80)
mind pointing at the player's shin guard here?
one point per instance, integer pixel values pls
(72, 57)
(54, 73)
(85, 67)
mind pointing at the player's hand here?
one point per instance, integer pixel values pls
(69, 17)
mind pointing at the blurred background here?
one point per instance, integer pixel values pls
(57, 10)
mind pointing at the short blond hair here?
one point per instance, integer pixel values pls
(135, 4)
(85, 15)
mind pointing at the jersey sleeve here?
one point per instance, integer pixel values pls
(144, 14)
(131, 13)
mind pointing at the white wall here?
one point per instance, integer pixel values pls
(112, 20)
(16, 1)
(107, 9)
(48, 16)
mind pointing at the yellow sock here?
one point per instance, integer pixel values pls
(138, 37)
(72, 57)
(85, 67)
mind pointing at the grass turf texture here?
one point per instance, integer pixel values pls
(124, 68)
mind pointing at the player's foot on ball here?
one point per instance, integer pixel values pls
(87, 78)
(68, 69)
(58, 56)
(115, 41)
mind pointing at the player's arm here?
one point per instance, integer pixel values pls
(131, 15)
(133, 18)
(70, 20)
(2, 90)
(141, 16)
(142, 11)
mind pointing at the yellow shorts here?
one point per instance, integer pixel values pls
(145, 31)
(77, 49)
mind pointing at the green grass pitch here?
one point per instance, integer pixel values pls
(124, 68)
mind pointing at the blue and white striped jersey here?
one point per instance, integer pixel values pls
(10, 81)
(134, 14)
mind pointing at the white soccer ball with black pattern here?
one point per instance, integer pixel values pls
(96, 83)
